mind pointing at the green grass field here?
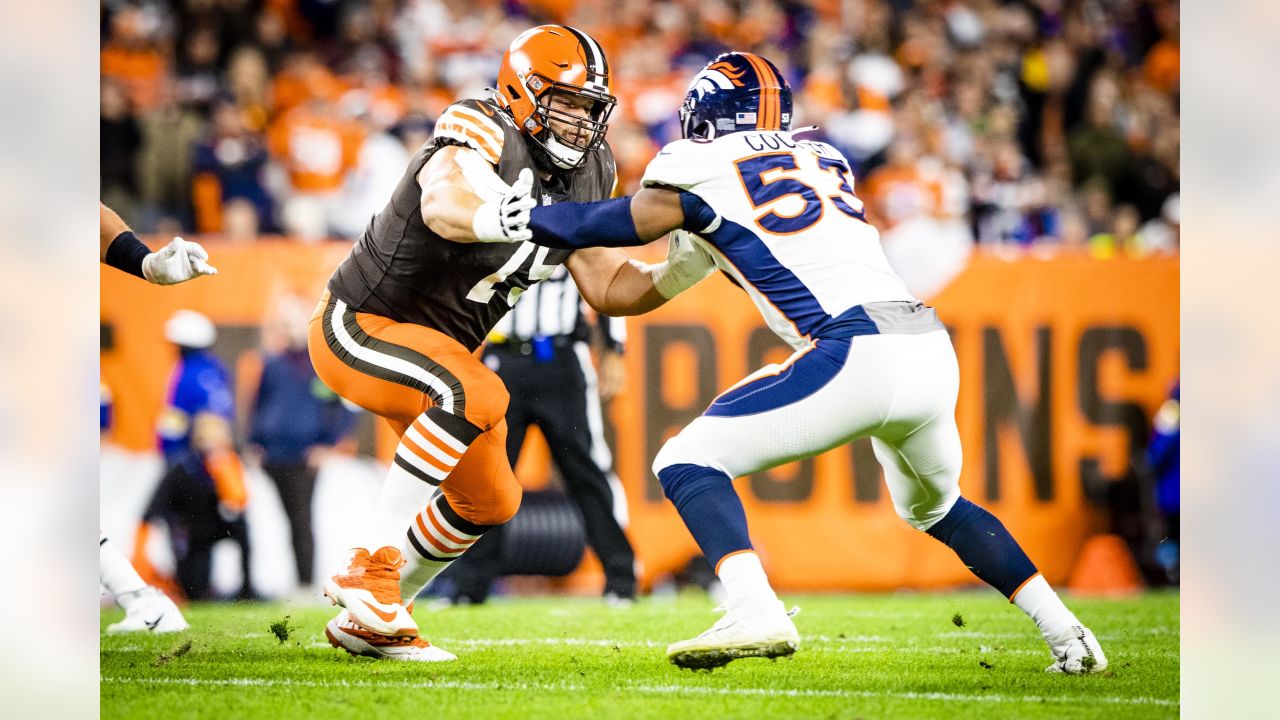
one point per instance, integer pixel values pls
(950, 655)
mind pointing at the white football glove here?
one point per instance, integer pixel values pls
(686, 265)
(506, 220)
(179, 261)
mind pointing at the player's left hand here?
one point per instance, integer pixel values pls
(687, 264)
(179, 261)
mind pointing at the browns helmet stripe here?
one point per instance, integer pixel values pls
(596, 61)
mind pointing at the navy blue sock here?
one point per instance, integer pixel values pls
(710, 508)
(984, 546)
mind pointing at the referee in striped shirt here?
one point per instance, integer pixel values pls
(541, 350)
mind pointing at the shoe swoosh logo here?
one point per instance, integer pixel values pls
(386, 616)
(153, 623)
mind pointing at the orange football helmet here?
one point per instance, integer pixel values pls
(550, 61)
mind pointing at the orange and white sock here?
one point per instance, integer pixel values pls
(437, 537)
(429, 450)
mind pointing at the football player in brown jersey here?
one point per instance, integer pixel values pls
(398, 328)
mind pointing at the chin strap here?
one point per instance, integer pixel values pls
(561, 146)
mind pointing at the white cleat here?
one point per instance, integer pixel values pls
(762, 629)
(1077, 653)
(346, 634)
(148, 610)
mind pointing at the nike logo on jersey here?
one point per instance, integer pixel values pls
(386, 616)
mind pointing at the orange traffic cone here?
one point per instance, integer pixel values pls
(1105, 567)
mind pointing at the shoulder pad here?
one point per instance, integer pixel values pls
(475, 124)
(823, 149)
(681, 164)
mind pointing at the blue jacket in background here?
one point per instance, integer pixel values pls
(294, 411)
(200, 383)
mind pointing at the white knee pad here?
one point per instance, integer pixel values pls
(670, 454)
(925, 511)
(679, 450)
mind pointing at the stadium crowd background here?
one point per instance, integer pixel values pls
(1017, 125)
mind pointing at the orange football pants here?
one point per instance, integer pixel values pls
(399, 370)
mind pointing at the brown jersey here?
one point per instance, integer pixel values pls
(401, 270)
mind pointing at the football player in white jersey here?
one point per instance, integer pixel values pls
(778, 215)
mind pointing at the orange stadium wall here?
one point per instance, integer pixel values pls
(1063, 362)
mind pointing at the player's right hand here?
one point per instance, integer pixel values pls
(506, 220)
(179, 261)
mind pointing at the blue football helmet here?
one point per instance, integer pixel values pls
(737, 91)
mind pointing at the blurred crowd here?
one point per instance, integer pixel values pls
(1016, 125)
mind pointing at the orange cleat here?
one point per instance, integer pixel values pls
(370, 591)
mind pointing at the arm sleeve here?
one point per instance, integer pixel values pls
(573, 226)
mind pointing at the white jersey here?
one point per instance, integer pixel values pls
(779, 216)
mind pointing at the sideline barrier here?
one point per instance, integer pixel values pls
(1062, 363)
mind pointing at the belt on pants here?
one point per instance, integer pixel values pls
(526, 347)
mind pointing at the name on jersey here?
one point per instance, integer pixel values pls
(768, 141)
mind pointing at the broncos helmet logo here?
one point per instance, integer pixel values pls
(735, 91)
(719, 75)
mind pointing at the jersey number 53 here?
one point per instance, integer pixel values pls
(768, 178)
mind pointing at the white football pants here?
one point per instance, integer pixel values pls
(899, 389)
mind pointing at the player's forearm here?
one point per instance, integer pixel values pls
(632, 291)
(117, 245)
(450, 212)
(110, 225)
(612, 283)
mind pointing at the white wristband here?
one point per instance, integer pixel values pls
(486, 225)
